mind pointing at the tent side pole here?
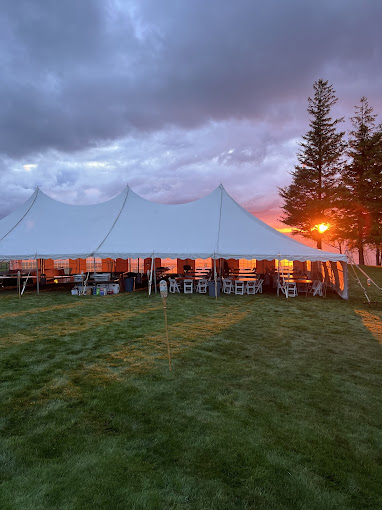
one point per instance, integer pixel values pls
(155, 279)
(151, 274)
(216, 280)
(345, 273)
(18, 283)
(37, 278)
(282, 276)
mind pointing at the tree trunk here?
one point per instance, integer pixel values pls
(378, 257)
(361, 226)
(319, 244)
(361, 255)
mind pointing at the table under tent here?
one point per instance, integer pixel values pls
(129, 227)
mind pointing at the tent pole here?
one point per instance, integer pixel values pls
(282, 276)
(151, 274)
(345, 273)
(37, 278)
(216, 280)
(18, 284)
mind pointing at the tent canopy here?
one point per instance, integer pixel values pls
(129, 226)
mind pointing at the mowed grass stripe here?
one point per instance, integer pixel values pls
(138, 356)
(188, 332)
(38, 310)
(140, 353)
(182, 335)
(77, 303)
(86, 322)
(372, 322)
(73, 326)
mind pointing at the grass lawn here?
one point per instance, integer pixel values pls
(271, 403)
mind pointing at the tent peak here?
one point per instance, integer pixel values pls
(37, 191)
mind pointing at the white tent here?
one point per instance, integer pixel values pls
(129, 226)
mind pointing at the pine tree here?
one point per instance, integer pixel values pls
(374, 196)
(310, 199)
(361, 192)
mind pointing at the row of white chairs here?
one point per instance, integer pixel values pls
(290, 289)
(229, 286)
(188, 286)
(239, 288)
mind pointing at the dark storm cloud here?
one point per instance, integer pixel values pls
(173, 97)
(78, 72)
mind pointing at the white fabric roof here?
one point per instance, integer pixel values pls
(129, 226)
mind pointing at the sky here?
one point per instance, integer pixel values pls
(173, 97)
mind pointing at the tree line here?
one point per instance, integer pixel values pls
(336, 191)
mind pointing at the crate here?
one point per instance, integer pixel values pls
(101, 277)
(114, 287)
(78, 278)
(81, 290)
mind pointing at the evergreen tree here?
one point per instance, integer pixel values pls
(374, 196)
(361, 192)
(310, 199)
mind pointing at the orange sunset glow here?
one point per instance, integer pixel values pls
(322, 227)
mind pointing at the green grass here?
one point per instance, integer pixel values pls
(270, 404)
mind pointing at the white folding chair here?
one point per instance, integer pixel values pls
(239, 288)
(317, 288)
(188, 286)
(202, 286)
(302, 288)
(174, 287)
(227, 286)
(281, 286)
(259, 286)
(291, 289)
(250, 288)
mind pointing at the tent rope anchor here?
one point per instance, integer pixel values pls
(369, 280)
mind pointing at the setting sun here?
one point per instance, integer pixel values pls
(322, 227)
